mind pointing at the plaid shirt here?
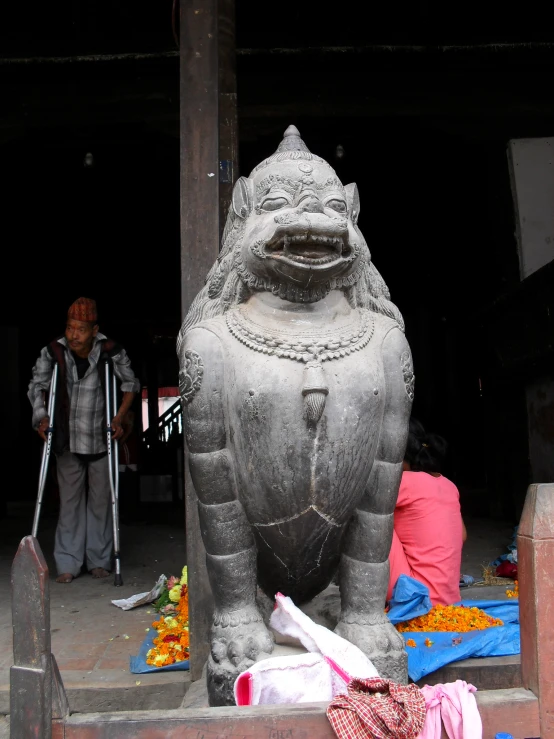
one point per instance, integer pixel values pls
(375, 708)
(87, 411)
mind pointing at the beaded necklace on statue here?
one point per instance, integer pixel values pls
(309, 347)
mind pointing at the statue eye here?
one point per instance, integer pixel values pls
(274, 203)
(335, 204)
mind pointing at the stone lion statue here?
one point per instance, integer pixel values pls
(297, 385)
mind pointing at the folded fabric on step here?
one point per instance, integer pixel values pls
(302, 678)
(289, 620)
(317, 676)
(454, 705)
(378, 709)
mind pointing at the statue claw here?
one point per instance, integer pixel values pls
(380, 642)
(219, 651)
(240, 636)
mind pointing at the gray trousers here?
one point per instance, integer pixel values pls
(84, 532)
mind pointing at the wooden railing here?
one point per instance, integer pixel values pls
(169, 429)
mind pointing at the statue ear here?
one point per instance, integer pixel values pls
(243, 197)
(353, 198)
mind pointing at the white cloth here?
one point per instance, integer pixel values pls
(318, 676)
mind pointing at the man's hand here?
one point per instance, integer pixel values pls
(117, 428)
(42, 428)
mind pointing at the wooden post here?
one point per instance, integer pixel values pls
(199, 249)
(31, 673)
(535, 553)
(228, 131)
(38, 702)
(202, 171)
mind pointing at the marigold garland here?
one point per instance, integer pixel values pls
(172, 643)
(514, 592)
(451, 618)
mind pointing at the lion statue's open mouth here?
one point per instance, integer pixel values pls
(308, 250)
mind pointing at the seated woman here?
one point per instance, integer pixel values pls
(428, 527)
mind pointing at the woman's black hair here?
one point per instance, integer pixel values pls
(425, 452)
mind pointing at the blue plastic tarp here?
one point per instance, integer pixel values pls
(411, 599)
(138, 664)
(497, 641)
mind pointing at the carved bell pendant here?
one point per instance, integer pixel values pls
(315, 391)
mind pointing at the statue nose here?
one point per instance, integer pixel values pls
(311, 205)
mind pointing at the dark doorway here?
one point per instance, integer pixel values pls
(105, 227)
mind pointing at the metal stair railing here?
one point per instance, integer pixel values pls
(170, 427)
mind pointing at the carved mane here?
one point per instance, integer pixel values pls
(224, 289)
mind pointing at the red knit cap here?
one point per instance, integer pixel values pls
(83, 309)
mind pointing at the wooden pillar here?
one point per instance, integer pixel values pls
(207, 118)
(37, 696)
(228, 130)
(535, 553)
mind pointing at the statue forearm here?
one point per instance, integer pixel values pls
(382, 487)
(225, 528)
(226, 533)
(364, 564)
(364, 572)
(234, 577)
(363, 590)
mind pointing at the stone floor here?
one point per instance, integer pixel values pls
(92, 639)
(487, 539)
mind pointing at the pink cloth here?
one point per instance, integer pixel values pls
(456, 705)
(427, 539)
(299, 678)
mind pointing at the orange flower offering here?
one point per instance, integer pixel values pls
(450, 618)
(172, 642)
(411, 643)
(513, 593)
(428, 642)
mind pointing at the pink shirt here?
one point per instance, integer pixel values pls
(428, 528)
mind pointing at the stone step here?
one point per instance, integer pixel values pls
(114, 690)
(486, 673)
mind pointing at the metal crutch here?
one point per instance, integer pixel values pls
(113, 468)
(47, 449)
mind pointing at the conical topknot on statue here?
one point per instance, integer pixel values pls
(292, 141)
(291, 147)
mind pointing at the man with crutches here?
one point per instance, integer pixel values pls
(87, 364)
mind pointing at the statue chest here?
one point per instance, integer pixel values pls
(284, 462)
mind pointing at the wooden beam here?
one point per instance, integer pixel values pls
(209, 168)
(427, 49)
(87, 58)
(514, 710)
(31, 674)
(491, 48)
(228, 129)
(199, 96)
(535, 547)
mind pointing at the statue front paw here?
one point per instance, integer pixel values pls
(379, 641)
(239, 637)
